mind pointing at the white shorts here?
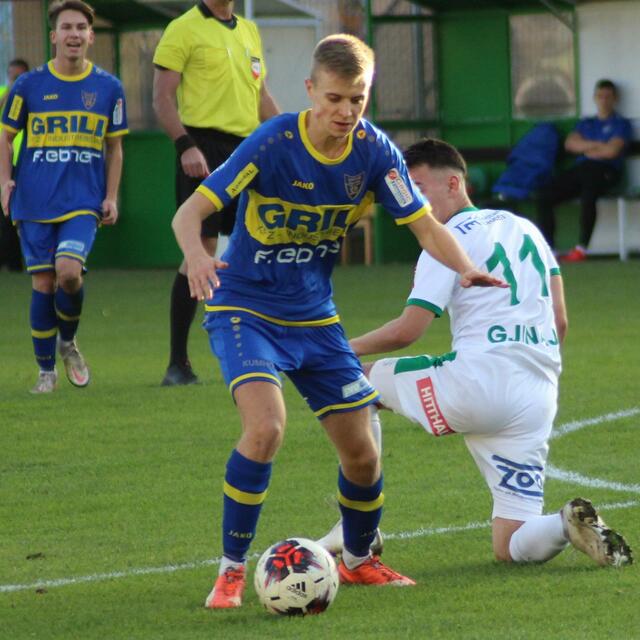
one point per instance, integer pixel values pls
(504, 410)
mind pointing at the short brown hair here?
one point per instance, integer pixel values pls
(58, 6)
(344, 55)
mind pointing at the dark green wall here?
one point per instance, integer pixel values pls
(474, 85)
(142, 237)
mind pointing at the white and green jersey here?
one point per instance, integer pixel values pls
(517, 322)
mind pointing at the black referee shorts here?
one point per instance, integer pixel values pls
(216, 146)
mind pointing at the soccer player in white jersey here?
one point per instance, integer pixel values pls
(499, 385)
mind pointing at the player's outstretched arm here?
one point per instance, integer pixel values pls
(201, 267)
(559, 307)
(7, 185)
(439, 242)
(395, 334)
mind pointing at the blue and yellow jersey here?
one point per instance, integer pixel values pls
(295, 208)
(61, 170)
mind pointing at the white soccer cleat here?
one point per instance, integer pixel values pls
(47, 382)
(333, 541)
(588, 532)
(74, 364)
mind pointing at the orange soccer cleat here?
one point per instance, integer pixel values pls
(372, 571)
(228, 589)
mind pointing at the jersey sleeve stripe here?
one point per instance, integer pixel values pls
(113, 134)
(9, 128)
(209, 195)
(422, 211)
(416, 302)
(555, 271)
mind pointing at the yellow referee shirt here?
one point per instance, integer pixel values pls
(222, 70)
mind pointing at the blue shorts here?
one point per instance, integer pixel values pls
(318, 360)
(43, 242)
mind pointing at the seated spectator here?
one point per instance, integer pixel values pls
(600, 143)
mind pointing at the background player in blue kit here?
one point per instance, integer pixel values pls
(303, 180)
(600, 143)
(65, 184)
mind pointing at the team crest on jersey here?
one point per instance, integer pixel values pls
(256, 67)
(353, 185)
(89, 99)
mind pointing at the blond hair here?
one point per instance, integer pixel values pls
(344, 55)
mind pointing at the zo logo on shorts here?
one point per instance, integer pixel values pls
(437, 422)
(525, 479)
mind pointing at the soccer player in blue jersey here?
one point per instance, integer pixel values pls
(303, 180)
(66, 181)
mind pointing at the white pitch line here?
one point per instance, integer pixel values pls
(594, 483)
(402, 535)
(575, 425)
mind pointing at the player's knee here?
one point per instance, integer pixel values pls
(362, 468)
(69, 275)
(43, 282)
(266, 436)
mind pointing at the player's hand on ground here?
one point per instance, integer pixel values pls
(203, 277)
(109, 212)
(6, 190)
(194, 164)
(477, 278)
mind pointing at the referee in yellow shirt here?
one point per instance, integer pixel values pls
(209, 93)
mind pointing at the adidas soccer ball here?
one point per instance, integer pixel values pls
(296, 577)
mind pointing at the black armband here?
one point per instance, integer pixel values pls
(184, 142)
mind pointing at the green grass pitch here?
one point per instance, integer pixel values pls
(110, 496)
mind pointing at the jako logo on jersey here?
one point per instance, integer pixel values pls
(525, 479)
(353, 185)
(398, 188)
(50, 96)
(303, 185)
(273, 221)
(66, 129)
(438, 424)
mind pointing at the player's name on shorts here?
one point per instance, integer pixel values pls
(521, 333)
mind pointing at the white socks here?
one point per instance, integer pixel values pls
(539, 539)
(352, 561)
(225, 563)
(376, 427)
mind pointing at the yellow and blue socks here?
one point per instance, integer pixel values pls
(68, 309)
(44, 329)
(361, 509)
(245, 488)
